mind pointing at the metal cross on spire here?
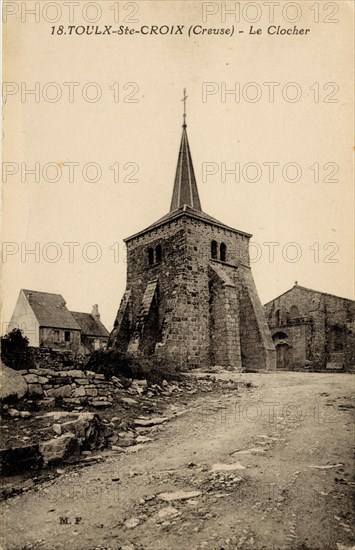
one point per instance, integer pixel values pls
(184, 100)
(185, 193)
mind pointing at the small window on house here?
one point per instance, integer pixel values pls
(56, 335)
(150, 256)
(158, 254)
(97, 344)
(223, 252)
(67, 335)
(214, 250)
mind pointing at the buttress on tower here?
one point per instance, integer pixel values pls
(190, 294)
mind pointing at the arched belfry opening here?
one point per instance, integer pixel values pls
(158, 253)
(223, 252)
(150, 256)
(214, 248)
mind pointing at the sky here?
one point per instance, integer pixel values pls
(105, 146)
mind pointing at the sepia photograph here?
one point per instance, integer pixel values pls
(177, 269)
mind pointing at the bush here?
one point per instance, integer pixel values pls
(115, 363)
(15, 351)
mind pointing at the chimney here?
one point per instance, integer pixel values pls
(95, 312)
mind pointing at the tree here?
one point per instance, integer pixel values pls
(15, 351)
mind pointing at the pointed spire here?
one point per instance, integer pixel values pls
(185, 187)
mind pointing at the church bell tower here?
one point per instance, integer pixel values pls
(190, 295)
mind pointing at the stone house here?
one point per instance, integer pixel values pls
(312, 329)
(190, 294)
(44, 318)
(94, 335)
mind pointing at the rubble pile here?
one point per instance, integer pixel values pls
(53, 424)
(50, 439)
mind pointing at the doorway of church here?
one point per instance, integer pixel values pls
(283, 351)
(283, 357)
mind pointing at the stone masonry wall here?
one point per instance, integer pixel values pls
(258, 350)
(224, 321)
(183, 282)
(300, 337)
(198, 259)
(324, 313)
(252, 329)
(45, 358)
(61, 374)
(48, 339)
(169, 271)
(74, 387)
(184, 321)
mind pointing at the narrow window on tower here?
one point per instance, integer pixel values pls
(223, 252)
(214, 250)
(158, 254)
(150, 256)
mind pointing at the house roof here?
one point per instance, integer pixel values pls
(89, 325)
(309, 290)
(50, 310)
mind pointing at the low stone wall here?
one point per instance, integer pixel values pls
(72, 387)
(45, 358)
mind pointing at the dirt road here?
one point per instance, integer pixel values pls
(266, 468)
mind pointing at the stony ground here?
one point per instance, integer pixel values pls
(268, 467)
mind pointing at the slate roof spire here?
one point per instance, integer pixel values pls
(185, 188)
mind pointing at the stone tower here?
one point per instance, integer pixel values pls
(190, 294)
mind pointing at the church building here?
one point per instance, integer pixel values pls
(190, 294)
(312, 330)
